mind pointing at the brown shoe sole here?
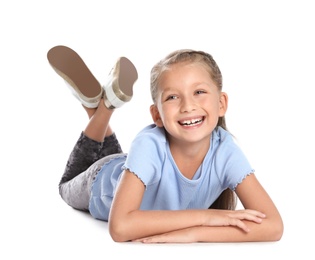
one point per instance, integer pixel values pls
(119, 87)
(127, 76)
(69, 65)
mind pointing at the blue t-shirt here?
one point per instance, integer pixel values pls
(150, 158)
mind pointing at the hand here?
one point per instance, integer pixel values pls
(216, 218)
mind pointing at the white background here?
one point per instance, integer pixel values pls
(265, 50)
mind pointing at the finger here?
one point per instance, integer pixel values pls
(255, 213)
(240, 224)
(253, 218)
(249, 215)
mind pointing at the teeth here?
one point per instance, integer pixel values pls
(191, 122)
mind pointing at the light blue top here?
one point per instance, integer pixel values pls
(225, 166)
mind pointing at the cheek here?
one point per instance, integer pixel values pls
(213, 107)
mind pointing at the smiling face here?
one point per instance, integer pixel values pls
(188, 103)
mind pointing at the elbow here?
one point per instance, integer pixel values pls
(278, 232)
(270, 230)
(117, 231)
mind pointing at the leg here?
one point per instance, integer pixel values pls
(76, 192)
(92, 143)
(94, 146)
(97, 140)
(97, 131)
(98, 126)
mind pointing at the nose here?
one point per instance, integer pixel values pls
(187, 105)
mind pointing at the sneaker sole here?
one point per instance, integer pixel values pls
(119, 88)
(127, 76)
(69, 65)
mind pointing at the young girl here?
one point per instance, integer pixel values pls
(179, 180)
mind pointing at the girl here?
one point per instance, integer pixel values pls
(179, 180)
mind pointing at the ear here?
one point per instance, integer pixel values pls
(156, 116)
(223, 103)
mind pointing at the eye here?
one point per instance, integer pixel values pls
(198, 92)
(171, 97)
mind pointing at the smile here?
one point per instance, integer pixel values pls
(192, 122)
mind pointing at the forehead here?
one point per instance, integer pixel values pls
(183, 70)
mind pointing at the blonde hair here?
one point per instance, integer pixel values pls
(227, 199)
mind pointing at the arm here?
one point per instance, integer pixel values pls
(128, 222)
(252, 195)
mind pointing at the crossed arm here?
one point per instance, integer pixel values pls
(258, 221)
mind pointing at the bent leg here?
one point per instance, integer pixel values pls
(76, 192)
(85, 161)
(84, 154)
(110, 146)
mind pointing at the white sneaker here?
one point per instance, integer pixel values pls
(119, 88)
(69, 65)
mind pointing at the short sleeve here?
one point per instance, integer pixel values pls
(231, 164)
(146, 155)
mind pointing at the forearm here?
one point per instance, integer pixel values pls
(138, 224)
(265, 231)
(141, 223)
(258, 233)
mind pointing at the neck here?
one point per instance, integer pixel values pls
(188, 157)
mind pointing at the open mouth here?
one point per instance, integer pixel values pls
(191, 122)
